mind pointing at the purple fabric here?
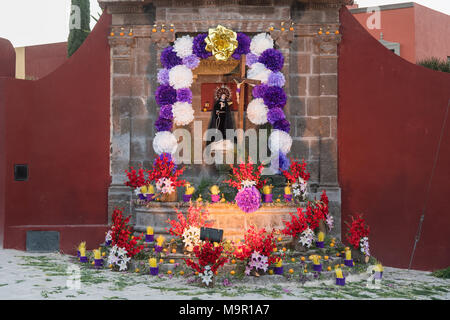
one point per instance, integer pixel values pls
(282, 125)
(163, 124)
(166, 112)
(274, 97)
(243, 45)
(165, 95)
(169, 58)
(251, 59)
(272, 59)
(274, 115)
(199, 46)
(184, 95)
(191, 61)
(259, 90)
(276, 79)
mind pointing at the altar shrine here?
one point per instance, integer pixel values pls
(306, 32)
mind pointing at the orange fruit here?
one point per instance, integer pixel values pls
(284, 249)
(172, 261)
(282, 29)
(291, 28)
(110, 266)
(137, 270)
(161, 260)
(270, 271)
(329, 268)
(103, 254)
(279, 239)
(196, 273)
(122, 34)
(216, 273)
(153, 30)
(112, 34)
(320, 32)
(305, 271)
(326, 257)
(171, 30)
(93, 263)
(332, 244)
(271, 28)
(169, 272)
(275, 249)
(181, 272)
(232, 272)
(233, 261)
(337, 32)
(293, 259)
(163, 30)
(174, 250)
(302, 258)
(291, 271)
(338, 254)
(328, 32)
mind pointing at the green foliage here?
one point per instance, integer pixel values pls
(79, 25)
(443, 273)
(435, 64)
(202, 189)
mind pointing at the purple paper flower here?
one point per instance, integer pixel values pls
(251, 59)
(274, 115)
(184, 95)
(191, 61)
(272, 59)
(165, 95)
(169, 58)
(163, 76)
(163, 124)
(243, 45)
(276, 79)
(282, 125)
(199, 46)
(248, 199)
(259, 90)
(280, 163)
(166, 112)
(274, 97)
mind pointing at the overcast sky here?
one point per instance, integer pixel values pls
(31, 22)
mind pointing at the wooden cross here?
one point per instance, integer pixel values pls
(241, 83)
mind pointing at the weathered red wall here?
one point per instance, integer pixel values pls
(7, 59)
(390, 117)
(41, 60)
(59, 126)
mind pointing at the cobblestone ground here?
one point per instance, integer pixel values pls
(47, 276)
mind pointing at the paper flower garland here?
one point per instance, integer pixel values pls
(183, 46)
(280, 141)
(180, 77)
(257, 111)
(183, 113)
(258, 71)
(260, 43)
(165, 141)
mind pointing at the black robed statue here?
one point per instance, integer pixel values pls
(221, 117)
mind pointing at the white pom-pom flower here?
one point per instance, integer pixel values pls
(257, 111)
(258, 71)
(260, 43)
(165, 141)
(183, 113)
(180, 77)
(183, 46)
(280, 141)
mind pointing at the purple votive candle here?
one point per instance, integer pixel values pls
(278, 270)
(83, 259)
(317, 267)
(288, 197)
(267, 198)
(340, 281)
(142, 196)
(149, 238)
(319, 244)
(348, 263)
(187, 197)
(154, 271)
(98, 262)
(215, 198)
(150, 196)
(158, 248)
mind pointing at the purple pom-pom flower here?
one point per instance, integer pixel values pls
(163, 124)
(163, 76)
(251, 58)
(280, 162)
(272, 59)
(274, 115)
(276, 79)
(282, 125)
(184, 95)
(199, 46)
(243, 45)
(169, 58)
(259, 90)
(248, 199)
(166, 112)
(191, 61)
(165, 95)
(274, 97)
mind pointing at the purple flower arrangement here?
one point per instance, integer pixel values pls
(248, 199)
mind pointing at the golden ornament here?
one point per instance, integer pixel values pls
(221, 42)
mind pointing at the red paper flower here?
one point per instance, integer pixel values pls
(296, 170)
(121, 234)
(357, 230)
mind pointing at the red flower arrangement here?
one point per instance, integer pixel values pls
(246, 171)
(196, 217)
(121, 234)
(296, 170)
(164, 167)
(136, 179)
(207, 255)
(257, 240)
(357, 230)
(315, 212)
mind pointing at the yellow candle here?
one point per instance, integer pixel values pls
(214, 190)
(339, 273)
(315, 259)
(287, 189)
(321, 236)
(82, 252)
(160, 240)
(150, 189)
(267, 189)
(152, 262)
(279, 263)
(97, 254)
(144, 189)
(82, 245)
(149, 230)
(348, 255)
(378, 268)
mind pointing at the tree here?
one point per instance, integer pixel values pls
(79, 25)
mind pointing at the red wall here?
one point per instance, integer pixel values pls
(7, 59)
(390, 117)
(59, 126)
(41, 60)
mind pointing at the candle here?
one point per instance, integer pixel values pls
(378, 268)
(321, 236)
(287, 189)
(160, 240)
(279, 263)
(82, 245)
(150, 189)
(82, 252)
(348, 255)
(315, 259)
(339, 273)
(267, 189)
(152, 262)
(144, 189)
(97, 254)
(149, 230)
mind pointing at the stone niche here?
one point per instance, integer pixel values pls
(310, 70)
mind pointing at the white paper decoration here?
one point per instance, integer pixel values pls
(257, 111)
(165, 141)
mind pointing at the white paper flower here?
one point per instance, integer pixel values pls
(330, 221)
(280, 141)
(180, 77)
(258, 71)
(207, 275)
(191, 237)
(248, 183)
(257, 111)
(108, 236)
(307, 238)
(260, 43)
(183, 113)
(165, 141)
(183, 46)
